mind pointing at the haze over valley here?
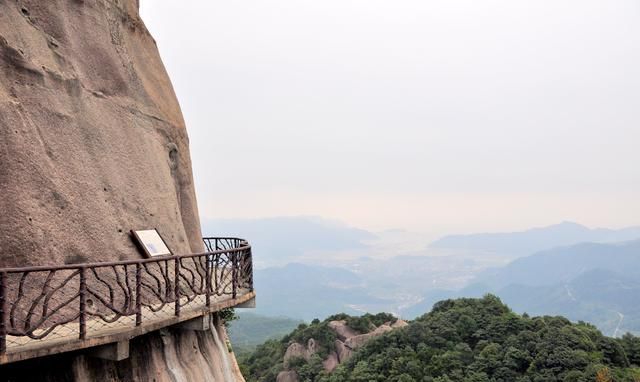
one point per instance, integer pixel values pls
(386, 156)
(321, 267)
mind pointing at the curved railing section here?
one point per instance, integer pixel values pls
(83, 300)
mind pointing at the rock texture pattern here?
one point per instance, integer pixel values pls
(92, 139)
(92, 145)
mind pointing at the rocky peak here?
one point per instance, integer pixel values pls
(296, 350)
(348, 341)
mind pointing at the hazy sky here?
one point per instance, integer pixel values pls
(436, 116)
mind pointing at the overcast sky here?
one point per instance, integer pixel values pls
(446, 116)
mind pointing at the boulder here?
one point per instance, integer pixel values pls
(287, 376)
(331, 362)
(295, 350)
(357, 341)
(342, 330)
(312, 348)
(399, 324)
(343, 352)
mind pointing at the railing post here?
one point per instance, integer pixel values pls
(208, 260)
(234, 273)
(138, 294)
(250, 268)
(176, 284)
(167, 284)
(83, 303)
(215, 265)
(3, 312)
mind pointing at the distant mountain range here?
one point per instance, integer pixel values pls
(608, 299)
(568, 269)
(563, 264)
(281, 240)
(534, 240)
(593, 282)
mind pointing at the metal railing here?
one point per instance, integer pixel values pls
(74, 301)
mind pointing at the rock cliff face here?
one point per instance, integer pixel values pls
(93, 142)
(92, 145)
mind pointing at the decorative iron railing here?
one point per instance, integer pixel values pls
(74, 301)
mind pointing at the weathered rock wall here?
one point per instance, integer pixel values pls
(92, 139)
(92, 145)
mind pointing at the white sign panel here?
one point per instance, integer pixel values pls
(152, 242)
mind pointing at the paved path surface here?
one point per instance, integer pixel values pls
(66, 338)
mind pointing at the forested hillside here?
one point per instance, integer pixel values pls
(467, 340)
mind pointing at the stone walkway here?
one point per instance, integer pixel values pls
(66, 337)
